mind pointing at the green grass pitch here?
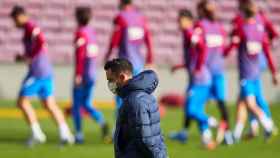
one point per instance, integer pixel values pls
(13, 133)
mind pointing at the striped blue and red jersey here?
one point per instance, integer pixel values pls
(35, 50)
(261, 17)
(130, 34)
(86, 52)
(251, 39)
(215, 37)
(195, 57)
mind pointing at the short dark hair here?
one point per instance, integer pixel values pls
(203, 12)
(201, 8)
(119, 65)
(126, 2)
(83, 15)
(202, 4)
(245, 7)
(185, 13)
(17, 10)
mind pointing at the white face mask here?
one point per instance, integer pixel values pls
(112, 87)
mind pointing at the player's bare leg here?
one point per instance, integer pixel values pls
(37, 135)
(224, 134)
(241, 117)
(265, 121)
(64, 131)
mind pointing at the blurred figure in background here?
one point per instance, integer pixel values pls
(86, 52)
(130, 33)
(251, 39)
(39, 79)
(215, 38)
(264, 22)
(200, 81)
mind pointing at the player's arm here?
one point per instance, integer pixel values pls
(269, 27)
(201, 48)
(269, 58)
(116, 37)
(148, 43)
(177, 67)
(39, 41)
(235, 39)
(80, 52)
(174, 68)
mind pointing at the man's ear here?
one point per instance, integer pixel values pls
(122, 77)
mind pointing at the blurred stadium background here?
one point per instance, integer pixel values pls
(57, 21)
(56, 17)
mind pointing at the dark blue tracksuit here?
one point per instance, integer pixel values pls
(138, 132)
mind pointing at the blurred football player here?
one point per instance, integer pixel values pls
(251, 38)
(215, 37)
(272, 34)
(130, 33)
(86, 53)
(39, 79)
(200, 80)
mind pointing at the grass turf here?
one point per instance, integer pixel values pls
(13, 133)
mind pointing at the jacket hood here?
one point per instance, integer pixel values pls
(146, 81)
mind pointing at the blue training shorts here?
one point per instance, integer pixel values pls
(249, 88)
(218, 90)
(41, 87)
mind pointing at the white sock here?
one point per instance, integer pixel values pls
(267, 123)
(228, 137)
(254, 125)
(212, 122)
(64, 131)
(206, 137)
(36, 129)
(238, 130)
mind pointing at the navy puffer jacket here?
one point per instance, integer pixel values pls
(138, 132)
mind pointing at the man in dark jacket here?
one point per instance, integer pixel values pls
(138, 132)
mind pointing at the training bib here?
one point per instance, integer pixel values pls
(92, 50)
(253, 47)
(214, 40)
(135, 33)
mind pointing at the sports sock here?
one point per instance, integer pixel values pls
(267, 123)
(206, 136)
(238, 130)
(254, 127)
(64, 131)
(36, 129)
(212, 122)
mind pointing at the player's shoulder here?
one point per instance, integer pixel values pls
(262, 15)
(80, 37)
(198, 27)
(198, 24)
(237, 19)
(80, 32)
(138, 13)
(32, 28)
(118, 17)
